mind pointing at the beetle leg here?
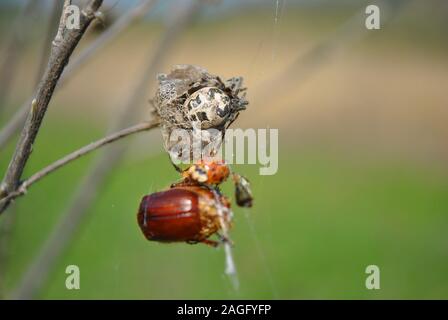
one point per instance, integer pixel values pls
(208, 242)
(211, 243)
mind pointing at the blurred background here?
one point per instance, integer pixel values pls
(362, 118)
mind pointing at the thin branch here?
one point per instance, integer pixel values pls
(38, 272)
(23, 188)
(60, 54)
(114, 30)
(59, 38)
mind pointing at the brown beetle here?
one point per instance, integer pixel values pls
(184, 214)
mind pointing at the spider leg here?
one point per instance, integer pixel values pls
(176, 167)
(232, 121)
(221, 83)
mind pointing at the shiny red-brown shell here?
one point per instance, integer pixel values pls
(183, 213)
(171, 215)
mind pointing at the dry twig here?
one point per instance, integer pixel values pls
(23, 188)
(60, 54)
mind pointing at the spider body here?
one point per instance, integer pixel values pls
(210, 106)
(189, 97)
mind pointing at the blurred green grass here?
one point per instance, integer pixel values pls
(319, 222)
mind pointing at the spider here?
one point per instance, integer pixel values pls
(191, 97)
